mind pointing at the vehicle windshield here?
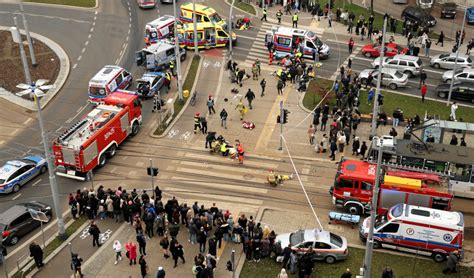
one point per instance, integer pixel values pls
(296, 238)
(215, 18)
(380, 220)
(318, 42)
(2, 227)
(398, 74)
(97, 91)
(2, 181)
(443, 55)
(310, 34)
(469, 60)
(458, 71)
(335, 239)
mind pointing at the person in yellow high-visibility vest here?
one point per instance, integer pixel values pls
(295, 20)
(264, 15)
(241, 107)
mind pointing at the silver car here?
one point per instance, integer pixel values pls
(409, 65)
(391, 78)
(447, 61)
(326, 246)
(466, 74)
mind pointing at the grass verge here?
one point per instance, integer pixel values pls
(53, 245)
(187, 85)
(77, 3)
(243, 6)
(402, 266)
(410, 106)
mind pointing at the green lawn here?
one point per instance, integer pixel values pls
(403, 267)
(243, 6)
(78, 3)
(410, 105)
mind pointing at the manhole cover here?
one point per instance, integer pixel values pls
(248, 177)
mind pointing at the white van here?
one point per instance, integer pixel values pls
(416, 229)
(158, 55)
(109, 79)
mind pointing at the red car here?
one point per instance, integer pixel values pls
(392, 49)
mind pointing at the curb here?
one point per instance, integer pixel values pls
(62, 6)
(61, 247)
(164, 134)
(64, 70)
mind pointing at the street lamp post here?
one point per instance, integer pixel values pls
(17, 39)
(229, 28)
(178, 55)
(456, 61)
(28, 37)
(373, 211)
(196, 50)
(375, 112)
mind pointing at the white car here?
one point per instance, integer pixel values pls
(326, 246)
(465, 74)
(447, 61)
(391, 78)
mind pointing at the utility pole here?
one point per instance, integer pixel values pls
(456, 61)
(17, 38)
(229, 29)
(152, 180)
(178, 55)
(375, 112)
(232, 260)
(196, 50)
(281, 126)
(373, 211)
(28, 37)
(52, 176)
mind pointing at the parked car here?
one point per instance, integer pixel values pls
(425, 4)
(418, 15)
(461, 90)
(150, 83)
(391, 49)
(465, 74)
(448, 10)
(409, 65)
(470, 15)
(447, 61)
(16, 221)
(391, 78)
(326, 246)
(16, 173)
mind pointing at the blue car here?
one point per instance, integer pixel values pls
(16, 173)
(150, 83)
(470, 15)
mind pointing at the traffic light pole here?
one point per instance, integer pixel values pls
(281, 126)
(152, 180)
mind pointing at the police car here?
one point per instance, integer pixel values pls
(150, 83)
(16, 173)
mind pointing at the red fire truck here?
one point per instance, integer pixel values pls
(96, 137)
(355, 179)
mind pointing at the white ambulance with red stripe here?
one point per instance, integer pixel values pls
(421, 230)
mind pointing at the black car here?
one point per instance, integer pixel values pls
(418, 15)
(448, 10)
(461, 91)
(16, 221)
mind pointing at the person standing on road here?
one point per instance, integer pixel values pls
(95, 232)
(117, 247)
(351, 45)
(250, 96)
(201, 239)
(165, 243)
(279, 14)
(223, 116)
(161, 272)
(441, 39)
(263, 83)
(210, 105)
(295, 20)
(197, 122)
(427, 47)
(143, 265)
(131, 252)
(141, 243)
(264, 15)
(280, 86)
(203, 121)
(242, 109)
(424, 89)
(178, 253)
(76, 263)
(423, 77)
(37, 253)
(311, 133)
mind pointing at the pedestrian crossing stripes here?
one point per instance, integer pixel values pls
(345, 63)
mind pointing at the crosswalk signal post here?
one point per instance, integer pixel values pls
(152, 172)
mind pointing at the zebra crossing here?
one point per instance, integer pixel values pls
(251, 46)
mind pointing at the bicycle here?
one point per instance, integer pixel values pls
(192, 101)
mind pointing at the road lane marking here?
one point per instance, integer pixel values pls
(96, 12)
(16, 197)
(92, 29)
(88, 37)
(83, 50)
(74, 66)
(79, 58)
(87, 43)
(27, 121)
(93, 24)
(36, 182)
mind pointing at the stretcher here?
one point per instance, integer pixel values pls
(344, 218)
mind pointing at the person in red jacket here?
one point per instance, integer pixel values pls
(131, 252)
(424, 90)
(351, 45)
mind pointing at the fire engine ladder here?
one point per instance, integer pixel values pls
(77, 161)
